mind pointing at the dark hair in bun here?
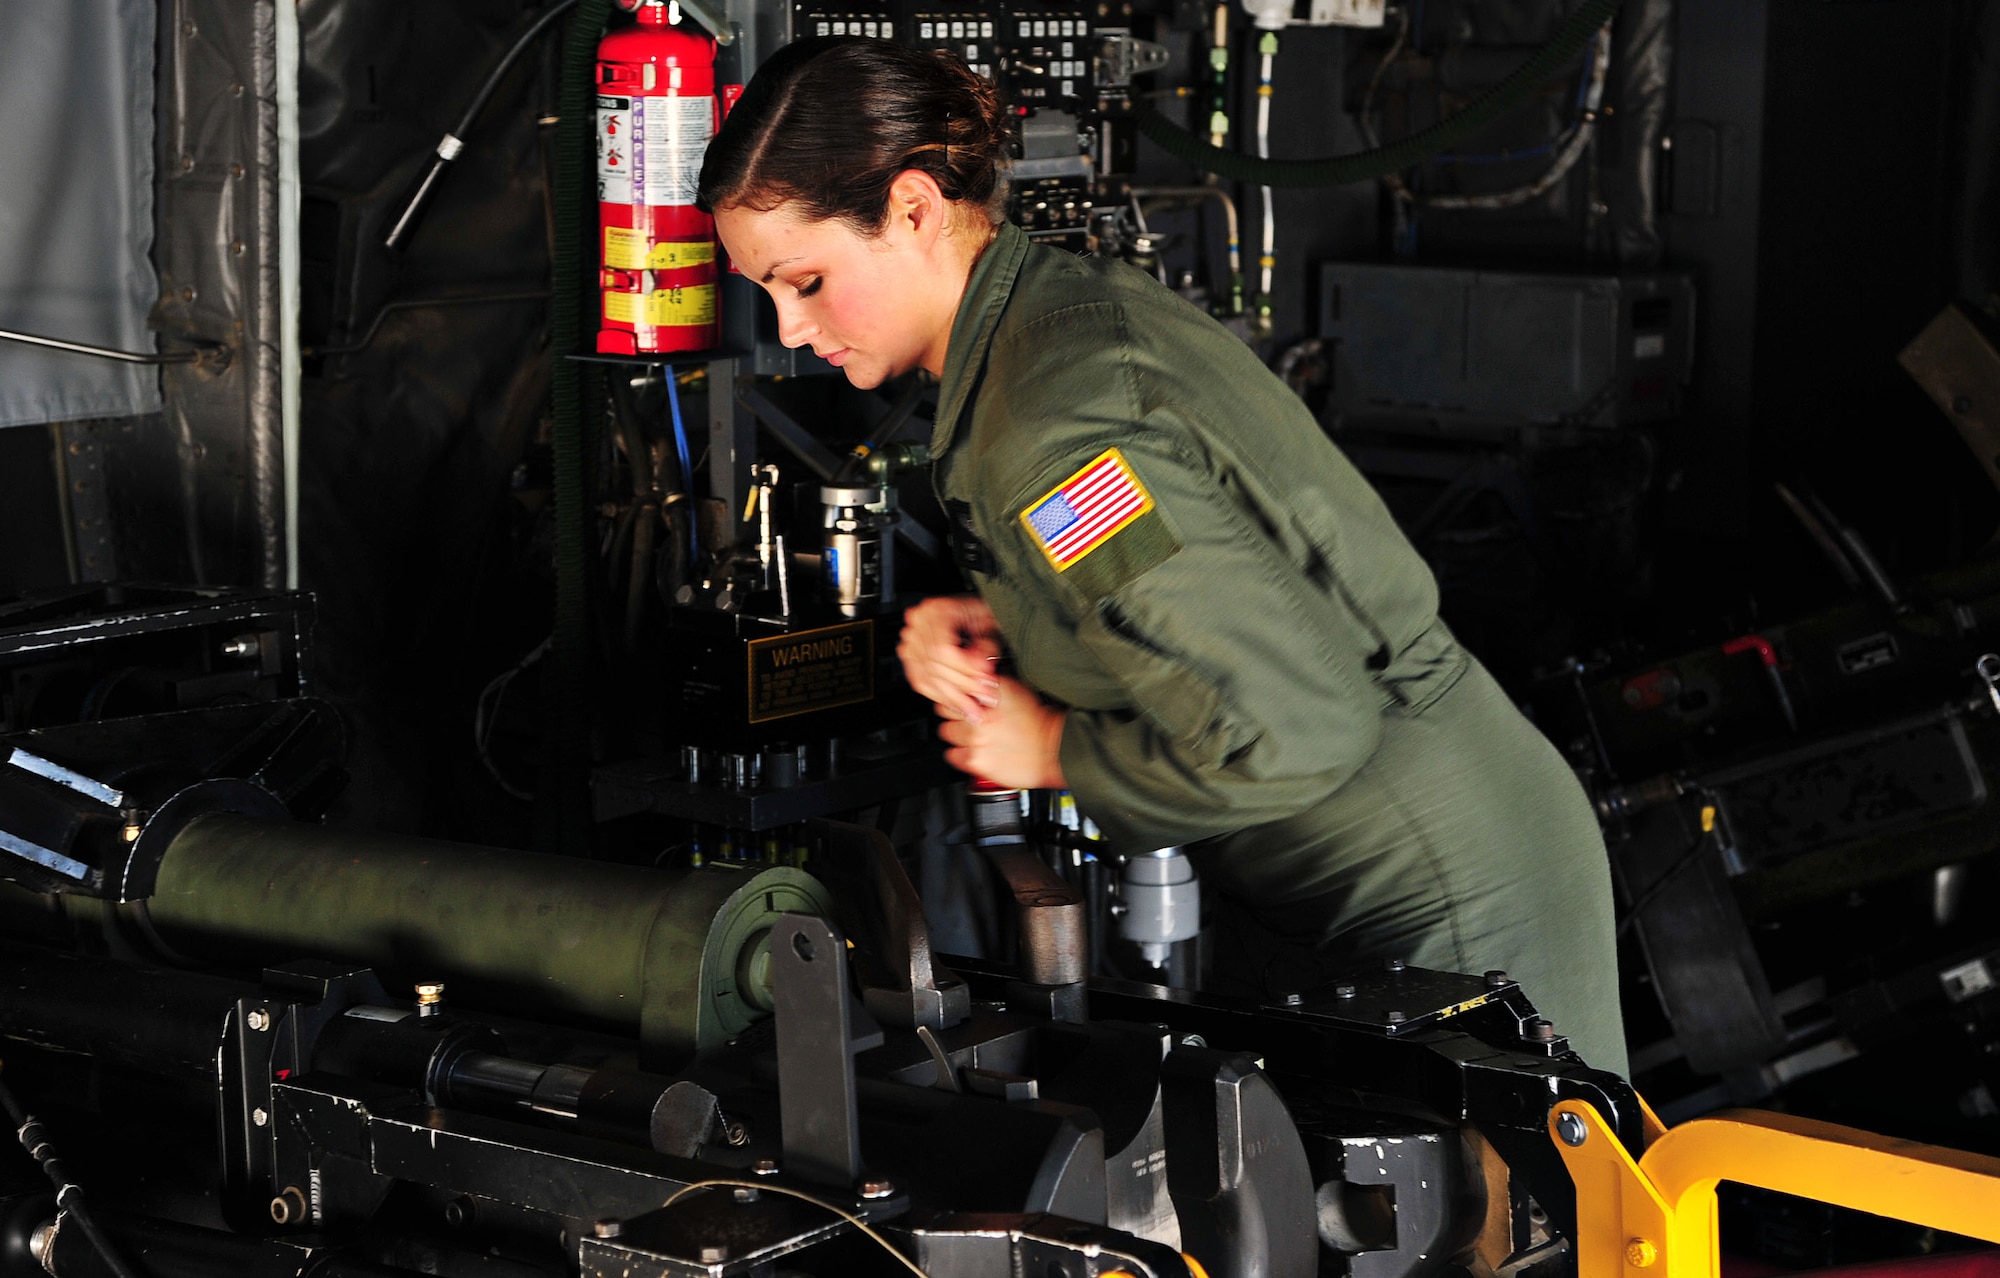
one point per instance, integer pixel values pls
(829, 122)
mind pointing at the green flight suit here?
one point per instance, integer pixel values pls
(1253, 666)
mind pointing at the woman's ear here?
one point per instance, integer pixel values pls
(917, 206)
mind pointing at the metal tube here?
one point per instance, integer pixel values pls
(610, 944)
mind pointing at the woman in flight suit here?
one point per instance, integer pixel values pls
(1223, 641)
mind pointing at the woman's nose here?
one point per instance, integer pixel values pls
(794, 329)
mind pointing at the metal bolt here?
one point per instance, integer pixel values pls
(1571, 1128)
(258, 1019)
(41, 1241)
(430, 998)
(1393, 1018)
(259, 1117)
(1539, 1028)
(1393, 965)
(1640, 1253)
(1497, 978)
(765, 1167)
(735, 1132)
(714, 1255)
(745, 1194)
(609, 1227)
(877, 1188)
(1294, 998)
(1343, 991)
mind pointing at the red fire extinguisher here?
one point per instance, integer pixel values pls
(656, 111)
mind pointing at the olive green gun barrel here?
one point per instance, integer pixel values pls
(681, 956)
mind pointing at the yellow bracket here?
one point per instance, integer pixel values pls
(1659, 1212)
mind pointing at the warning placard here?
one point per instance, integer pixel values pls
(811, 670)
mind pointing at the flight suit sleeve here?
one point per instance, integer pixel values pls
(1245, 665)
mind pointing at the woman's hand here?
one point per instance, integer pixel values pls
(1017, 741)
(948, 648)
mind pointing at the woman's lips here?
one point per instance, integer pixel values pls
(836, 358)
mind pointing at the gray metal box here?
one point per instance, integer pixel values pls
(1496, 346)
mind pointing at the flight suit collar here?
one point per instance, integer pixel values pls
(986, 294)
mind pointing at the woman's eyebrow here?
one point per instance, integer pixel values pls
(783, 261)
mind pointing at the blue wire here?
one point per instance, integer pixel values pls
(687, 471)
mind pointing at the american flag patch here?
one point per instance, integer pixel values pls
(1084, 511)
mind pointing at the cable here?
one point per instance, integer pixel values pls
(484, 719)
(452, 143)
(1578, 142)
(1570, 145)
(102, 352)
(1365, 166)
(69, 1195)
(418, 304)
(687, 473)
(841, 1212)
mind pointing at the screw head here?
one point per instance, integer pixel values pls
(1497, 978)
(259, 1117)
(1343, 991)
(258, 1019)
(714, 1255)
(765, 1167)
(1539, 1028)
(745, 1194)
(1571, 1128)
(609, 1227)
(1640, 1253)
(1393, 1017)
(1293, 998)
(877, 1188)
(1393, 965)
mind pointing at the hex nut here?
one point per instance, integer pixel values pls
(609, 1227)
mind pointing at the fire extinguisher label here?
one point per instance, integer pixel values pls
(669, 136)
(663, 307)
(689, 304)
(674, 255)
(626, 250)
(614, 155)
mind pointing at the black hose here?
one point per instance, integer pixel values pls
(1366, 166)
(449, 146)
(69, 1195)
(567, 756)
